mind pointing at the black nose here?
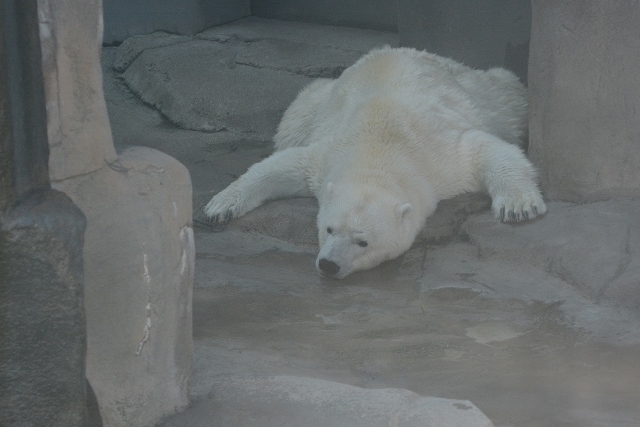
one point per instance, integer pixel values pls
(328, 267)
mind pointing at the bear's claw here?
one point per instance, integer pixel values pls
(220, 211)
(509, 210)
(219, 218)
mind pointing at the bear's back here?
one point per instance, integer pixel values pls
(439, 92)
(425, 83)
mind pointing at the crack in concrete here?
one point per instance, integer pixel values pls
(121, 68)
(147, 170)
(625, 261)
(307, 71)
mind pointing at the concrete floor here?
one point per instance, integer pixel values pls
(464, 314)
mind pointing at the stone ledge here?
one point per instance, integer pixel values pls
(288, 401)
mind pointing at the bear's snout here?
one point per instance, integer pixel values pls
(329, 268)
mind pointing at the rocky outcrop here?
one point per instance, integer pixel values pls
(139, 249)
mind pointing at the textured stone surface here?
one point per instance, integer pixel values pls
(585, 98)
(139, 273)
(594, 247)
(445, 223)
(42, 356)
(138, 249)
(246, 82)
(123, 18)
(132, 47)
(69, 32)
(220, 102)
(42, 322)
(288, 401)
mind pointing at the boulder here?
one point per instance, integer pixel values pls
(42, 356)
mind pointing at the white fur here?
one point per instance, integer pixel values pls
(381, 145)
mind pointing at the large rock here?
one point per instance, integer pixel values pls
(139, 255)
(139, 249)
(200, 86)
(288, 401)
(585, 98)
(42, 356)
(132, 47)
(237, 77)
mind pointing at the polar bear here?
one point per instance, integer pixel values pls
(379, 146)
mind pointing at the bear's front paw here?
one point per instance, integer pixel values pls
(516, 209)
(222, 208)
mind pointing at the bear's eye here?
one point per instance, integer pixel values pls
(363, 244)
(329, 230)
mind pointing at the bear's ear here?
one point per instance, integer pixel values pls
(403, 211)
(330, 188)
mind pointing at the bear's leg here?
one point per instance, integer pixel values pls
(507, 175)
(283, 174)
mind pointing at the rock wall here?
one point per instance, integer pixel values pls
(585, 98)
(42, 319)
(374, 15)
(125, 18)
(139, 249)
(42, 357)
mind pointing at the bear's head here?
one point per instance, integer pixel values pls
(359, 228)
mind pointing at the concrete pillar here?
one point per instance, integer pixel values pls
(42, 321)
(584, 94)
(139, 249)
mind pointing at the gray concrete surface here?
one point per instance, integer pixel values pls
(536, 324)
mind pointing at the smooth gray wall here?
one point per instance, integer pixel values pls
(584, 99)
(125, 18)
(370, 14)
(480, 33)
